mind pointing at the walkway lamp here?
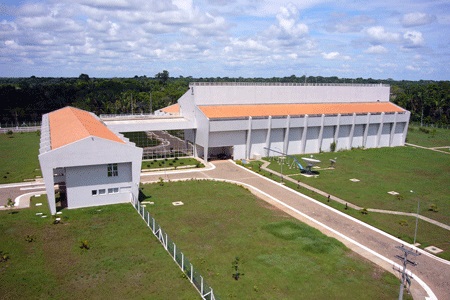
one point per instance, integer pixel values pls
(417, 218)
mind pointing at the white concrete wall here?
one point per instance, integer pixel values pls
(312, 142)
(294, 141)
(88, 152)
(327, 138)
(82, 180)
(358, 136)
(264, 94)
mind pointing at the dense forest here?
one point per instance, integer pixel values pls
(24, 100)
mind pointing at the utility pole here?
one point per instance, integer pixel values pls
(151, 102)
(406, 278)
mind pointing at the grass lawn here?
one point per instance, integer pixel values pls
(170, 163)
(428, 137)
(125, 261)
(399, 169)
(141, 139)
(280, 257)
(18, 156)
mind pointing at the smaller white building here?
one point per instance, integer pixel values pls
(85, 161)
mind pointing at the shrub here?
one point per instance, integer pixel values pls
(333, 146)
(29, 238)
(10, 132)
(433, 208)
(4, 256)
(84, 245)
(364, 211)
(403, 223)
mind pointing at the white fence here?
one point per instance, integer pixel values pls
(19, 129)
(206, 292)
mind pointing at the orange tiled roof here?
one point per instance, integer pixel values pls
(69, 124)
(265, 110)
(172, 109)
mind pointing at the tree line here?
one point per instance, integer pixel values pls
(26, 99)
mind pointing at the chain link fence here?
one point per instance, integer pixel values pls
(206, 292)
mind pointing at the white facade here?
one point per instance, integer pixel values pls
(247, 137)
(91, 171)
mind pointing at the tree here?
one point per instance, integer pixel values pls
(84, 77)
(162, 76)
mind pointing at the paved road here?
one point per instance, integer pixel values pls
(369, 242)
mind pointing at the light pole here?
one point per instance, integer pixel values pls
(417, 219)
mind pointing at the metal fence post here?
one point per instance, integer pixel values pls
(148, 219)
(182, 261)
(201, 285)
(167, 242)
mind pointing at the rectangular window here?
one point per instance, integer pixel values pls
(94, 192)
(102, 192)
(113, 190)
(112, 170)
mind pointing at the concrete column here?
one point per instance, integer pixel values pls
(405, 130)
(269, 129)
(336, 134)
(322, 123)
(286, 135)
(47, 173)
(366, 130)
(305, 130)
(380, 129)
(249, 138)
(391, 140)
(352, 132)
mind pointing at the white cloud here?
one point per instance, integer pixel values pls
(417, 19)
(377, 49)
(335, 55)
(379, 35)
(288, 27)
(413, 39)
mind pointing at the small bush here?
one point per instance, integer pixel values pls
(9, 132)
(399, 197)
(433, 208)
(403, 223)
(84, 245)
(4, 256)
(333, 146)
(30, 238)
(364, 211)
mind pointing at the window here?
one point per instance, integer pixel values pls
(113, 190)
(102, 192)
(112, 170)
(94, 192)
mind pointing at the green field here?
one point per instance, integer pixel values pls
(399, 169)
(281, 258)
(141, 139)
(171, 163)
(125, 261)
(428, 137)
(19, 157)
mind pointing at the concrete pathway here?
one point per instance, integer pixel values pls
(431, 149)
(432, 274)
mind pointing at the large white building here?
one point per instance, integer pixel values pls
(244, 119)
(94, 165)
(85, 161)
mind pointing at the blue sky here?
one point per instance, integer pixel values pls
(216, 38)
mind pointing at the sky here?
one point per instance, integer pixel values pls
(380, 39)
